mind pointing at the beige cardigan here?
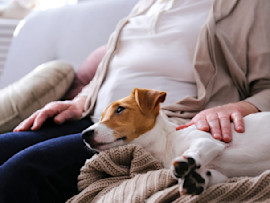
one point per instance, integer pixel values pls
(231, 63)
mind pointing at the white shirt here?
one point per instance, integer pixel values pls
(155, 51)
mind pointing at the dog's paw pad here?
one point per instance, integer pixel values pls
(193, 178)
(197, 177)
(183, 167)
(193, 184)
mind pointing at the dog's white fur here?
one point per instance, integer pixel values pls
(247, 155)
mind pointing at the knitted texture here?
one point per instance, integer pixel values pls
(130, 174)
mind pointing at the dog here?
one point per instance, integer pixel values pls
(195, 158)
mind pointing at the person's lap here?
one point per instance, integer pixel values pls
(42, 166)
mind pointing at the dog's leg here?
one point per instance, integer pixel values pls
(190, 167)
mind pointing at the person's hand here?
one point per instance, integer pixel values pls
(217, 120)
(60, 111)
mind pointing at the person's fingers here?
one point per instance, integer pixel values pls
(65, 116)
(48, 112)
(202, 124)
(27, 123)
(184, 126)
(214, 124)
(62, 111)
(238, 122)
(217, 121)
(40, 119)
(225, 125)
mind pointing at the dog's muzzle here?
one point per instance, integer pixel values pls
(88, 136)
(101, 141)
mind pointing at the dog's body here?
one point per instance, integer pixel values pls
(195, 157)
(247, 155)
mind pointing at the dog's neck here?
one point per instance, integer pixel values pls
(155, 141)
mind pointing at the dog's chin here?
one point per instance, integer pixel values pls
(104, 146)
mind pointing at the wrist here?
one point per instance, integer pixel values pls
(246, 108)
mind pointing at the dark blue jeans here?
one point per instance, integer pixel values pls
(43, 165)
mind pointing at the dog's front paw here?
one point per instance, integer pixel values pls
(193, 184)
(185, 168)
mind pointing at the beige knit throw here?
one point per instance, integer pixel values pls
(129, 174)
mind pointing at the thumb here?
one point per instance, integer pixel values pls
(184, 126)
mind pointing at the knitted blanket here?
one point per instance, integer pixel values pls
(130, 174)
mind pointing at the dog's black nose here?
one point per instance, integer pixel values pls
(87, 134)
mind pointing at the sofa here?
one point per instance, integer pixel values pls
(47, 50)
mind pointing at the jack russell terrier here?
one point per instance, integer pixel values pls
(196, 159)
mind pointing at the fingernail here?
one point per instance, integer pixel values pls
(240, 128)
(226, 138)
(217, 136)
(34, 127)
(58, 121)
(16, 129)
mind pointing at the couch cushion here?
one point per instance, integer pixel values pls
(46, 83)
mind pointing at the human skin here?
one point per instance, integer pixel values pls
(86, 72)
(60, 111)
(217, 120)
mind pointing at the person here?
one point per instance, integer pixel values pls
(214, 72)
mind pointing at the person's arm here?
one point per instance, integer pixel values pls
(86, 72)
(62, 111)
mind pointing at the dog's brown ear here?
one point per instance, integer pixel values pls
(149, 100)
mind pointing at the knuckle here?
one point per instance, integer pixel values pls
(199, 118)
(201, 123)
(225, 121)
(215, 128)
(44, 113)
(214, 124)
(223, 115)
(53, 104)
(237, 114)
(212, 118)
(35, 114)
(50, 104)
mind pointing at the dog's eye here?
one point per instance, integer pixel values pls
(119, 109)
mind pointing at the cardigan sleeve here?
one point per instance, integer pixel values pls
(258, 59)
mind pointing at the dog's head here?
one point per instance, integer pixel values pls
(126, 119)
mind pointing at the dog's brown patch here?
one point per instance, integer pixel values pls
(138, 116)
